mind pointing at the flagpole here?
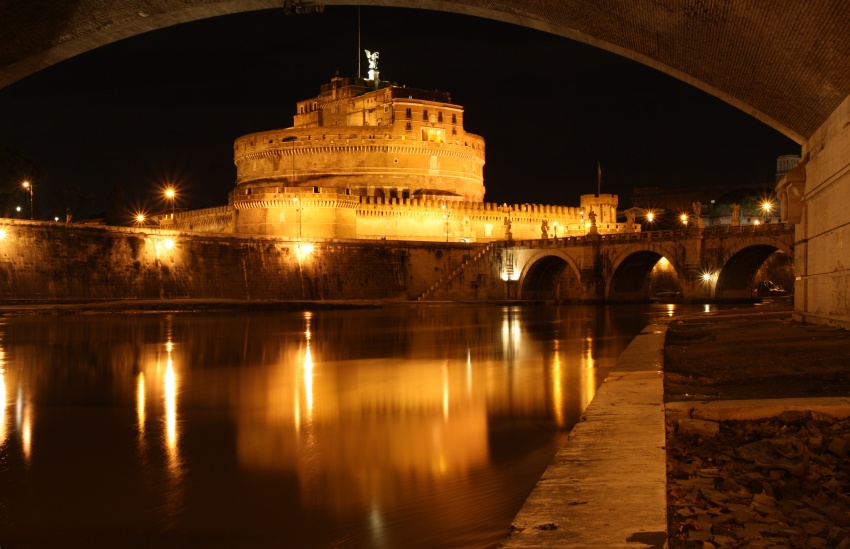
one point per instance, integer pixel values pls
(598, 178)
(359, 53)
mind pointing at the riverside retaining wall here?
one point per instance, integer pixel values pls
(40, 260)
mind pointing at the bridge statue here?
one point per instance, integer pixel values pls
(697, 206)
(592, 217)
(630, 217)
(736, 215)
(544, 229)
(508, 235)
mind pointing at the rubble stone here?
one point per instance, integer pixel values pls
(759, 483)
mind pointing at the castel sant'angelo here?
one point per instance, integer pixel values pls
(370, 159)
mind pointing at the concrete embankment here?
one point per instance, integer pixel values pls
(607, 485)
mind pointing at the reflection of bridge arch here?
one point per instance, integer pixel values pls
(631, 269)
(550, 275)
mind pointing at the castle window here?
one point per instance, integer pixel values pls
(407, 114)
(454, 131)
(425, 114)
(386, 108)
(454, 118)
(440, 116)
(434, 135)
(408, 126)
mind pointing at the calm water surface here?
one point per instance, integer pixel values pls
(398, 427)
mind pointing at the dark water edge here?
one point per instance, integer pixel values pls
(421, 424)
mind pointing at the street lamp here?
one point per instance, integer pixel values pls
(298, 209)
(28, 186)
(172, 196)
(766, 206)
(446, 214)
(684, 219)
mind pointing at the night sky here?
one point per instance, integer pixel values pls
(165, 107)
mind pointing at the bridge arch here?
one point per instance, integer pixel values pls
(630, 273)
(550, 276)
(736, 279)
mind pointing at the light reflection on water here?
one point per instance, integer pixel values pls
(415, 427)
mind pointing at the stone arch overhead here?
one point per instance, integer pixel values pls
(532, 264)
(781, 62)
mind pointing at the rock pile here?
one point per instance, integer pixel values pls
(780, 482)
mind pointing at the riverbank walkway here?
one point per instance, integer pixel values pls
(607, 486)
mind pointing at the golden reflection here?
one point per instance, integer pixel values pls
(670, 309)
(558, 389)
(587, 366)
(2, 401)
(171, 434)
(23, 420)
(308, 379)
(307, 365)
(445, 392)
(140, 402)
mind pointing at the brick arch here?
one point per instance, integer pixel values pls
(730, 46)
(550, 276)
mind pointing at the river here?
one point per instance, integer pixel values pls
(405, 426)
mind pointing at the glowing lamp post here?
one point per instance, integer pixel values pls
(650, 217)
(28, 187)
(556, 230)
(766, 206)
(172, 196)
(684, 219)
(446, 214)
(298, 209)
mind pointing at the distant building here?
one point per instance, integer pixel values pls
(785, 164)
(718, 205)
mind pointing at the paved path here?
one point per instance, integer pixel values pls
(607, 485)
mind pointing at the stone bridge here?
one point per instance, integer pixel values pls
(715, 263)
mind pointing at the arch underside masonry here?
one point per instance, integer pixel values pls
(734, 51)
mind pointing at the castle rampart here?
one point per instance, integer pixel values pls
(325, 213)
(366, 161)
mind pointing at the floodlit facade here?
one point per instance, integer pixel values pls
(368, 159)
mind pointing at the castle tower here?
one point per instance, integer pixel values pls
(357, 138)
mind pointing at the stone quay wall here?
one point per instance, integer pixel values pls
(58, 261)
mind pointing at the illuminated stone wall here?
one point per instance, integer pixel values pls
(297, 212)
(816, 196)
(41, 261)
(367, 161)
